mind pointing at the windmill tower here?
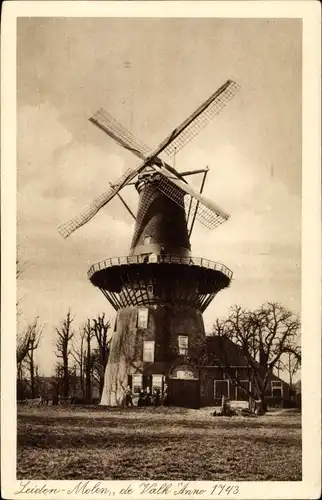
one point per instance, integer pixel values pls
(159, 289)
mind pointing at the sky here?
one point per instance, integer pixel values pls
(150, 74)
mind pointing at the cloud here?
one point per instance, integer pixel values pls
(58, 176)
(260, 242)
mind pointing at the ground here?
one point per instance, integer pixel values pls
(157, 443)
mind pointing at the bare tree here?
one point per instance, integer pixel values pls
(79, 353)
(88, 360)
(57, 383)
(63, 345)
(32, 368)
(73, 380)
(90, 352)
(27, 343)
(291, 364)
(20, 269)
(23, 346)
(263, 337)
(100, 328)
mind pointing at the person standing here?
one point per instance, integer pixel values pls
(128, 397)
(165, 399)
(141, 400)
(156, 397)
(147, 397)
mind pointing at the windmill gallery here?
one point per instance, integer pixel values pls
(160, 290)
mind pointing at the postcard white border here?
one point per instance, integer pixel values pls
(309, 12)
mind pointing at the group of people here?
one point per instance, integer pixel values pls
(146, 398)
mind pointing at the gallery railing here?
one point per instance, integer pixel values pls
(159, 259)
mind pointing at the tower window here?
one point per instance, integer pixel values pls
(143, 313)
(148, 351)
(183, 345)
(147, 240)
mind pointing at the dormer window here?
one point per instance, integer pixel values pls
(147, 240)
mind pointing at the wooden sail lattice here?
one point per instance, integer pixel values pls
(103, 120)
(209, 214)
(201, 120)
(205, 211)
(86, 215)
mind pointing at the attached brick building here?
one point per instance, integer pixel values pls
(192, 383)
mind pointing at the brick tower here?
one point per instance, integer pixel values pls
(159, 290)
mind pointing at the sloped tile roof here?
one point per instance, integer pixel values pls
(227, 351)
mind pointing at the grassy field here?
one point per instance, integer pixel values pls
(156, 443)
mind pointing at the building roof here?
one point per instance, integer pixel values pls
(225, 349)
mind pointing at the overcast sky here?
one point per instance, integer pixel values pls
(150, 74)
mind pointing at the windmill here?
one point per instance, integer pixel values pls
(159, 290)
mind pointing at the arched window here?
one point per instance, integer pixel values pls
(147, 240)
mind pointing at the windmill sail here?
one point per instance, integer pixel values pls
(103, 120)
(179, 137)
(123, 137)
(69, 227)
(208, 212)
(200, 118)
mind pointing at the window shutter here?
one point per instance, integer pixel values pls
(129, 380)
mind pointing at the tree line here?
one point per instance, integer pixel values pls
(81, 353)
(268, 340)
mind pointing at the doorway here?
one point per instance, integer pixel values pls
(184, 386)
(184, 393)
